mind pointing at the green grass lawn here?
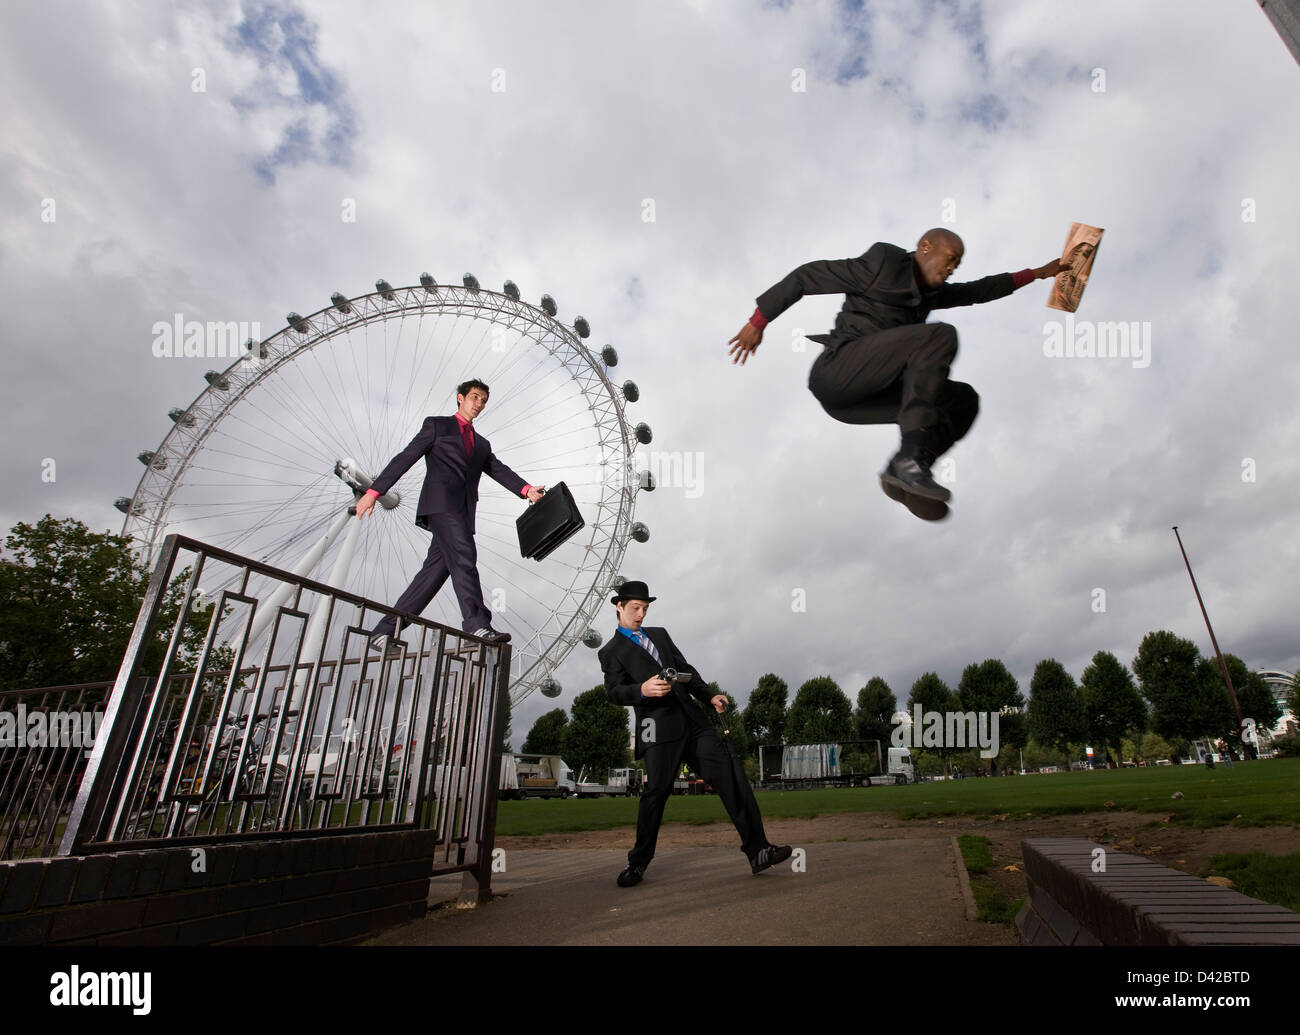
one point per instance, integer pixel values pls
(1270, 878)
(1249, 794)
(994, 907)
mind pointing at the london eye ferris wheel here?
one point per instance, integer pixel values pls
(266, 461)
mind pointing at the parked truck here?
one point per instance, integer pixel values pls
(619, 783)
(536, 776)
(846, 764)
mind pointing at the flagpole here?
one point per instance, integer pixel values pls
(1223, 666)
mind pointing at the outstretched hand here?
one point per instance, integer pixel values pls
(1050, 270)
(745, 343)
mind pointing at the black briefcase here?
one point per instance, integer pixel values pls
(549, 522)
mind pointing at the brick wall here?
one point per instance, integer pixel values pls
(293, 892)
(1135, 901)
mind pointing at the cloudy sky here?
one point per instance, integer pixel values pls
(657, 166)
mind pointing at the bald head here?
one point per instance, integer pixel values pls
(940, 235)
(938, 253)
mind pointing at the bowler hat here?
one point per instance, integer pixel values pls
(632, 591)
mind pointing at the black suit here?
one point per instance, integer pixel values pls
(883, 364)
(447, 506)
(671, 729)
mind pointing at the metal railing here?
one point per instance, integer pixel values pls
(291, 725)
(46, 736)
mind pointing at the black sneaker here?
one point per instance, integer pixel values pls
(631, 876)
(912, 475)
(770, 856)
(491, 635)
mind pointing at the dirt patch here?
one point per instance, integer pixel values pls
(1182, 847)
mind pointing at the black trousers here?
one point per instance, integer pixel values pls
(898, 376)
(451, 553)
(702, 749)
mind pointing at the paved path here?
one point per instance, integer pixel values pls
(878, 892)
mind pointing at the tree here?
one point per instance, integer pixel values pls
(547, 735)
(821, 713)
(1055, 711)
(1256, 700)
(597, 736)
(933, 695)
(764, 715)
(873, 719)
(69, 599)
(1183, 704)
(1112, 707)
(990, 687)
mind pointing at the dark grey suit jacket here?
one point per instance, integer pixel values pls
(881, 292)
(451, 477)
(627, 665)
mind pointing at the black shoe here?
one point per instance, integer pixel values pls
(491, 635)
(631, 876)
(926, 510)
(386, 645)
(912, 475)
(770, 856)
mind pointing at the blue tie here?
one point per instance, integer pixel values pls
(645, 642)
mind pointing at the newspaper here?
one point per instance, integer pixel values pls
(1081, 246)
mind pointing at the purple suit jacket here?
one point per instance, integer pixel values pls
(451, 477)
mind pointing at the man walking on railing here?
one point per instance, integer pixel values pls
(455, 458)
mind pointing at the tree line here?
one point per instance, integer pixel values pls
(1170, 697)
(69, 599)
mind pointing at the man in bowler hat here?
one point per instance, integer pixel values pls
(672, 727)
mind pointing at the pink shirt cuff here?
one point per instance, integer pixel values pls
(758, 320)
(526, 490)
(371, 492)
(1022, 278)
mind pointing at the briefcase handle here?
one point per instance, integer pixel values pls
(542, 491)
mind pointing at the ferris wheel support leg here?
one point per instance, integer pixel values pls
(267, 608)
